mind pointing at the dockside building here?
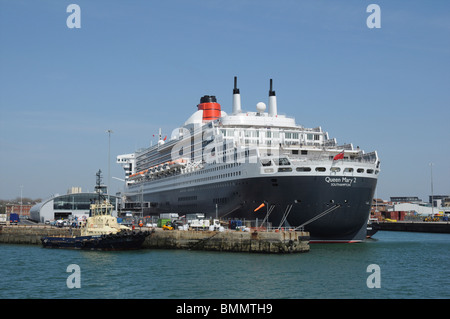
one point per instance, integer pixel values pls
(66, 206)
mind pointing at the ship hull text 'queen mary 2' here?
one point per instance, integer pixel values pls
(229, 165)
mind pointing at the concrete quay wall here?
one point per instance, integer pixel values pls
(32, 234)
(423, 227)
(236, 241)
(233, 241)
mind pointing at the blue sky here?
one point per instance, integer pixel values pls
(137, 66)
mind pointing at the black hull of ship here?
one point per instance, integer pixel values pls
(125, 241)
(308, 195)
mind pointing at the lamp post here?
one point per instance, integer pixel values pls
(109, 160)
(432, 195)
(21, 200)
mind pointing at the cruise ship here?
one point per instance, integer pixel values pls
(255, 165)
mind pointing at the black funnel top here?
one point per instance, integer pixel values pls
(235, 90)
(271, 92)
(208, 99)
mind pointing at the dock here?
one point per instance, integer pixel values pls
(413, 226)
(271, 242)
(232, 241)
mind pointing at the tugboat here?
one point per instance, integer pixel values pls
(100, 231)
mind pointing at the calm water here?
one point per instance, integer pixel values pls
(412, 265)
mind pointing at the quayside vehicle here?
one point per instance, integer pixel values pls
(100, 231)
(229, 165)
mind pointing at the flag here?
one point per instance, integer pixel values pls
(339, 156)
(259, 207)
(165, 138)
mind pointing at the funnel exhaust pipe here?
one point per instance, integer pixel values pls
(236, 98)
(272, 101)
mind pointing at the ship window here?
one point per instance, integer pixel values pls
(291, 135)
(348, 170)
(335, 169)
(303, 169)
(370, 171)
(283, 161)
(304, 152)
(285, 169)
(320, 169)
(266, 162)
(360, 170)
